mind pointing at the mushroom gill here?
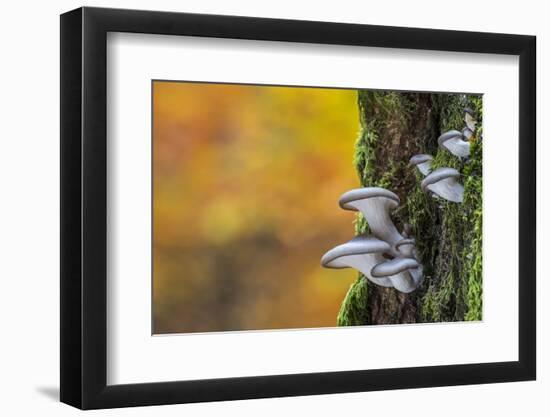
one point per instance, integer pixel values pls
(453, 142)
(443, 183)
(361, 253)
(398, 271)
(423, 162)
(375, 204)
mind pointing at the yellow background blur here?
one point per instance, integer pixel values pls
(246, 185)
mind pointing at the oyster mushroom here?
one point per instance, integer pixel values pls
(423, 162)
(407, 230)
(417, 275)
(443, 182)
(467, 133)
(398, 271)
(454, 143)
(361, 253)
(470, 119)
(375, 204)
(406, 247)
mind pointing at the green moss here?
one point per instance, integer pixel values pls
(454, 285)
(353, 311)
(473, 253)
(364, 157)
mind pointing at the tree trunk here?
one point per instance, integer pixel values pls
(394, 127)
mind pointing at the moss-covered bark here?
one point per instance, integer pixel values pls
(395, 126)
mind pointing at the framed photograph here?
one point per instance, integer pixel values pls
(257, 207)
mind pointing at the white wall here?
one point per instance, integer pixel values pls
(29, 238)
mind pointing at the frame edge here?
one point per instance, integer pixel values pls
(527, 332)
(70, 203)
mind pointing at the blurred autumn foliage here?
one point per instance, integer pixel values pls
(246, 183)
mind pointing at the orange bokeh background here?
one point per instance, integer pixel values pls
(246, 183)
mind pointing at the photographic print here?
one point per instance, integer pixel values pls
(279, 207)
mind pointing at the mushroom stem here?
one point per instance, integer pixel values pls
(375, 204)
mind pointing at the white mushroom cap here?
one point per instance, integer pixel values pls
(349, 198)
(397, 270)
(469, 118)
(360, 253)
(423, 162)
(453, 142)
(443, 182)
(359, 245)
(393, 266)
(375, 204)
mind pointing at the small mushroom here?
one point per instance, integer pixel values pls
(407, 230)
(423, 162)
(467, 133)
(443, 182)
(375, 203)
(417, 275)
(470, 119)
(361, 253)
(406, 247)
(453, 142)
(398, 271)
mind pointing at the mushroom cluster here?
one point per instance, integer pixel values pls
(443, 182)
(387, 257)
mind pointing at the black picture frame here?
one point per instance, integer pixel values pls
(84, 207)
